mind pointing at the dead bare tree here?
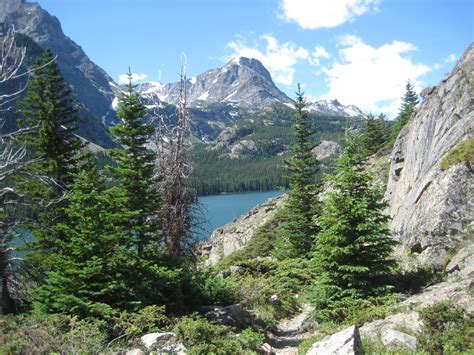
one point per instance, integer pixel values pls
(172, 173)
(12, 158)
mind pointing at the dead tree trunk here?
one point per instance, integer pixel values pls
(172, 171)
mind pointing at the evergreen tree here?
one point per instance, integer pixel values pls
(135, 164)
(352, 251)
(50, 116)
(375, 133)
(302, 204)
(96, 269)
(91, 264)
(49, 107)
(409, 102)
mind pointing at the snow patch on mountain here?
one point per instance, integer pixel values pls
(334, 108)
(204, 96)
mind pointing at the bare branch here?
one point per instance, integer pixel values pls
(172, 171)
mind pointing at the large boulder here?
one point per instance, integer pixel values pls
(345, 342)
(432, 208)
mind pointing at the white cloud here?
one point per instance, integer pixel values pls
(446, 60)
(319, 52)
(136, 77)
(314, 14)
(373, 78)
(450, 58)
(278, 58)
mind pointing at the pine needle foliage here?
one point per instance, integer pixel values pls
(352, 251)
(302, 204)
(134, 167)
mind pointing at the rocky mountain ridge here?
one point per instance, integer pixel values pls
(90, 84)
(217, 98)
(242, 83)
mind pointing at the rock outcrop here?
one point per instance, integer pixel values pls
(345, 342)
(326, 149)
(432, 209)
(457, 288)
(235, 235)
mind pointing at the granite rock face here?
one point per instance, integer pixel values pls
(326, 149)
(89, 83)
(432, 209)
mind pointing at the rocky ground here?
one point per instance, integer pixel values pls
(290, 333)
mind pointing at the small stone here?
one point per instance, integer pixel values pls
(266, 348)
(175, 349)
(135, 352)
(274, 298)
(151, 339)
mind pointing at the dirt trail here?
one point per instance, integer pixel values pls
(289, 333)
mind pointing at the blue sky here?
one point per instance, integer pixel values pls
(358, 51)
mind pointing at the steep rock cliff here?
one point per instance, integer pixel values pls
(432, 209)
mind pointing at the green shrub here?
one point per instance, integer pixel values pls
(51, 333)
(356, 310)
(203, 337)
(148, 319)
(271, 286)
(413, 281)
(463, 153)
(261, 244)
(446, 329)
(250, 339)
(206, 287)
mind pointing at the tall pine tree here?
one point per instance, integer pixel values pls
(50, 107)
(302, 204)
(50, 114)
(93, 263)
(352, 251)
(135, 165)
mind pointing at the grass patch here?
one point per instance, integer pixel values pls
(306, 344)
(462, 153)
(376, 347)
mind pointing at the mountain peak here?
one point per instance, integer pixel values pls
(242, 82)
(252, 64)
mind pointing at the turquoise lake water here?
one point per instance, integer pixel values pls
(218, 210)
(215, 211)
